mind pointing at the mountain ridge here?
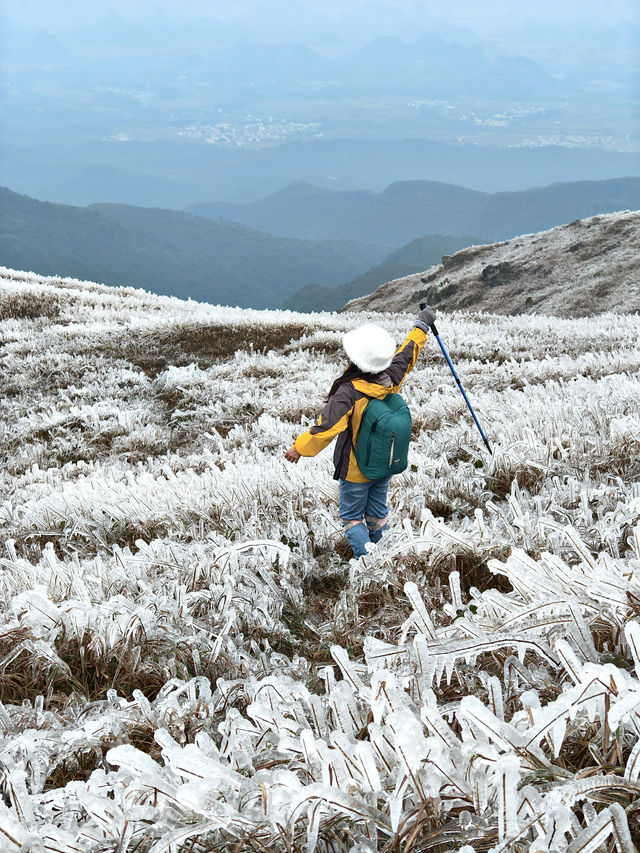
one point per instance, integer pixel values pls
(135, 172)
(585, 267)
(406, 210)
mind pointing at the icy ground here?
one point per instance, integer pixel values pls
(189, 663)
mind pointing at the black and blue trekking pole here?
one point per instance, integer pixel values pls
(432, 326)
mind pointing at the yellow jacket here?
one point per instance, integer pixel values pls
(342, 413)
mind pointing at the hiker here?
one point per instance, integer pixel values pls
(375, 372)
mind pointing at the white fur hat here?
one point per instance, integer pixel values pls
(369, 347)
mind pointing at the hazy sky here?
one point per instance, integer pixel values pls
(486, 14)
(559, 34)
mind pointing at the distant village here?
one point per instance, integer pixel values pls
(253, 132)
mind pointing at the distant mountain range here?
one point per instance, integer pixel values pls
(407, 210)
(586, 267)
(177, 174)
(340, 245)
(169, 252)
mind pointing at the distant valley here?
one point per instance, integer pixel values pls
(419, 254)
(234, 106)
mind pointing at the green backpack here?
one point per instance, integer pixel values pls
(383, 440)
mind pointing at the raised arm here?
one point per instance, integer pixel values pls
(406, 356)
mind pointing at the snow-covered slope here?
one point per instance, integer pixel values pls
(187, 662)
(576, 270)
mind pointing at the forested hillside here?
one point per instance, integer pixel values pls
(169, 252)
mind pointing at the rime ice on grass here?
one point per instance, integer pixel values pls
(186, 662)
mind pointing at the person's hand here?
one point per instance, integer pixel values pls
(291, 454)
(426, 319)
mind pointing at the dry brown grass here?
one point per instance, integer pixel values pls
(28, 306)
(92, 669)
(428, 424)
(472, 567)
(330, 348)
(26, 676)
(424, 829)
(205, 344)
(296, 416)
(381, 608)
(623, 461)
(73, 441)
(527, 477)
(67, 543)
(77, 765)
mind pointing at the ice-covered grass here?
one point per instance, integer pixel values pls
(188, 661)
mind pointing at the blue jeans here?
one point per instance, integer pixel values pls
(362, 508)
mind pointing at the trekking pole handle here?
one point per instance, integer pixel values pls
(432, 326)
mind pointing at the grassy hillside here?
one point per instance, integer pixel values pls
(189, 661)
(169, 252)
(586, 267)
(418, 255)
(409, 209)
